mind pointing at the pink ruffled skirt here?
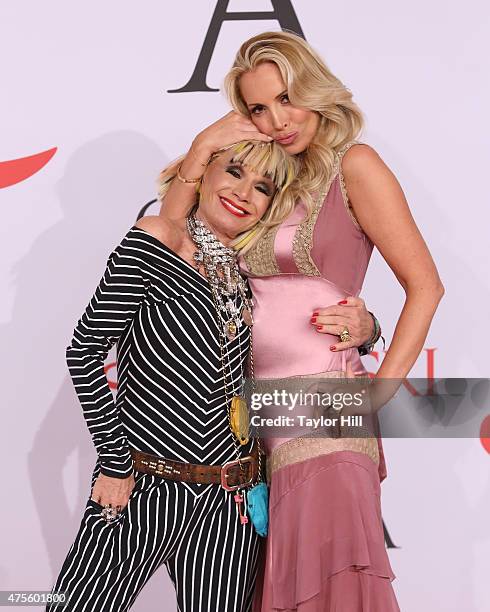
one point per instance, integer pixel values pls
(325, 550)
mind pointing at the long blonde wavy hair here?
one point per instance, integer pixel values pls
(311, 85)
(265, 158)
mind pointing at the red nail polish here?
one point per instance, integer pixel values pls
(318, 326)
(342, 302)
(315, 314)
(332, 347)
(313, 319)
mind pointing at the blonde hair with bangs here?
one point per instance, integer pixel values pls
(265, 158)
(310, 85)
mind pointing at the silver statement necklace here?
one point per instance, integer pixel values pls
(221, 266)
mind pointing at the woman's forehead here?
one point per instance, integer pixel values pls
(264, 82)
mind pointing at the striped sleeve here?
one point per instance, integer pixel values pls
(111, 309)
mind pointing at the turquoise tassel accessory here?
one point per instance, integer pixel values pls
(258, 508)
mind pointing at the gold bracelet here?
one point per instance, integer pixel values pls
(184, 180)
(197, 158)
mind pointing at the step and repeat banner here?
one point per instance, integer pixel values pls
(97, 97)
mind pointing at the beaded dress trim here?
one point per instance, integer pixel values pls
(343, 189)
(303, 237)
(261, 259)
(301, 449)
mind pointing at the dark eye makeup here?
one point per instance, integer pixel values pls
(236, 171)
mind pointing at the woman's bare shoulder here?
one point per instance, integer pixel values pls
(167, 232)
(362, 160)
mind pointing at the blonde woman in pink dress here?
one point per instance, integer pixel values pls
(325, 549)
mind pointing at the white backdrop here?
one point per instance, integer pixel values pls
(91, 79)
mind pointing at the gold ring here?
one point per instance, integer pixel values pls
(345, 336)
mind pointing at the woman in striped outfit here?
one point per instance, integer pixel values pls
(154, 497)
(325, 549)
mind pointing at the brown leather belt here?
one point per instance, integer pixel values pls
(229, 475)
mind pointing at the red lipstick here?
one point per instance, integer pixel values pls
(233, 208)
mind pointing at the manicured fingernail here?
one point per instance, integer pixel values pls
(315, 314)
(313, 319)
(318, 326)
(342, 302)
(332, 347)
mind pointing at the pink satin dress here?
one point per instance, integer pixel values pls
(325, 550)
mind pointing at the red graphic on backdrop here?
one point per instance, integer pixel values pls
(16, 170)
(485, 433)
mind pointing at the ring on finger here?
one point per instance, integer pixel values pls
(109, 513)
(344, 335)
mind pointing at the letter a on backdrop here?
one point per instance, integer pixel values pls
(283, 12)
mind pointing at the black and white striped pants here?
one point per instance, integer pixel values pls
(210, 556)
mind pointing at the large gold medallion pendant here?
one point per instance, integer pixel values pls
(239, 419)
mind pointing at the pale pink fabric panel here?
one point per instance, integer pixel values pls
(285, 342)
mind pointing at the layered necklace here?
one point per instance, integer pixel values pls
(223, 274)
(227, 286)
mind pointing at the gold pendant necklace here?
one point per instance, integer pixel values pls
(239, 419)
(231, 329)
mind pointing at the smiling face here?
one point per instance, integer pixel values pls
(265, 95)
(233, 197)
